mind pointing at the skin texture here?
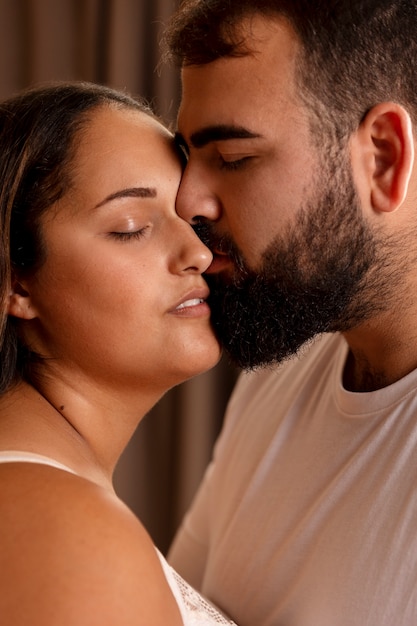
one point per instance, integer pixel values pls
(254, 166)
(103, 311)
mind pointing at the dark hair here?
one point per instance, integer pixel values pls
(354, 53)
(38, 129)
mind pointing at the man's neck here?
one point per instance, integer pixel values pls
(380, 354)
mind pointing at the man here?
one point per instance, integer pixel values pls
(297, 118)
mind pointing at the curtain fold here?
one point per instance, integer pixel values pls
(115, 42)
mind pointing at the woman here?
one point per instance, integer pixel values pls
(103, 310)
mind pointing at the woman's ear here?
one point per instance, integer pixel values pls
(383, 155)
(19, 302)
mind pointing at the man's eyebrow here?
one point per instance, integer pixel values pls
(131, 192)
(222, 132)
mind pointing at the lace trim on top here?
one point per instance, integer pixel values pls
(195, 610)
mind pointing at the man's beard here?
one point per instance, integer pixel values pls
(324, 274)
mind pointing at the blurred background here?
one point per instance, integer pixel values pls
(116, 43)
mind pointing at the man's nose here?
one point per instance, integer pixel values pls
(196, 199)
(189, 253)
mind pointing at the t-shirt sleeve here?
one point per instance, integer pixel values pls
(188, 551)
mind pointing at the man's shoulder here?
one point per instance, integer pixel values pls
(260, 397)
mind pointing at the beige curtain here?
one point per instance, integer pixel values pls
(115, 42)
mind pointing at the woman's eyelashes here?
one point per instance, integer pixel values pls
(128, 235)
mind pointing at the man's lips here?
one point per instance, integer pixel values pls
(220, 263)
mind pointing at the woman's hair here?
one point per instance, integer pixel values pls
(39, 128)
(353, 54)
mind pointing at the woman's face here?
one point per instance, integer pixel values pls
(120, 297)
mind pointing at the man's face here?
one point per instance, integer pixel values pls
(251, 158)
(281, 215)
(315, 277)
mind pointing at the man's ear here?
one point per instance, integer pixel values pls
(19, 302)
(383, 155)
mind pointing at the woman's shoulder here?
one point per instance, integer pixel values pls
(72, 553)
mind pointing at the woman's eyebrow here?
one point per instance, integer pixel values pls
(130, 192)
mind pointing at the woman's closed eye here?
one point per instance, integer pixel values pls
(129, 235)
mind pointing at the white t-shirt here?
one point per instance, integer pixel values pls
(194, 609)
(307, 515)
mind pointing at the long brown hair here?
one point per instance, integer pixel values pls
(38, 132)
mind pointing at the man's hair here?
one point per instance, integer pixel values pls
(353, 53)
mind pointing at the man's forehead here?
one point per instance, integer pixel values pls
(235, 91)
(272, 44)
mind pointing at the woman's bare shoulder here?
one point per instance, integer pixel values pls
(72, 554)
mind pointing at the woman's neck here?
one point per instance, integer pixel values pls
(85, 431)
